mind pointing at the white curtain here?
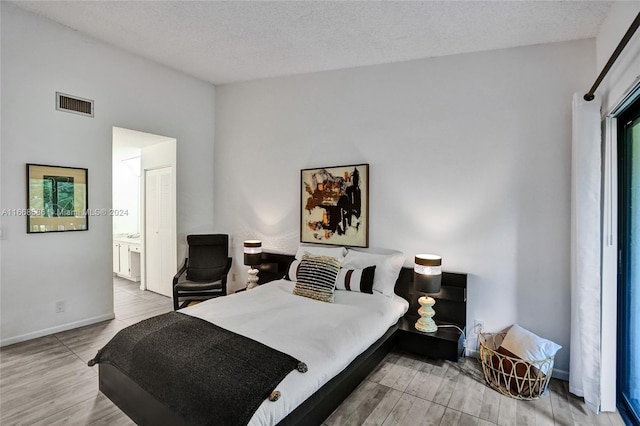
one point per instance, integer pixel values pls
(584, 368)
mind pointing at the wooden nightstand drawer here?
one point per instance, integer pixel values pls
(446, 343)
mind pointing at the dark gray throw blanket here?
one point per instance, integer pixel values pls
(208, 375)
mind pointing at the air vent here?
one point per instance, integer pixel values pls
(74, 104)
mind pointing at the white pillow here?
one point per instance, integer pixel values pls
(529, 346)
(316, 250)
(293, 270)
(388, 265)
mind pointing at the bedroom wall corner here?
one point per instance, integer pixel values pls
(40, 57)
(626, 69)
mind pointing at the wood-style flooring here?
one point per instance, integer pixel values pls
(409, 390)
(46, 381)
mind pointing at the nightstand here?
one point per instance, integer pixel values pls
(451, 309)
(446, 343)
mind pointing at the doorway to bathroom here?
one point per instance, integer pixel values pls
(144, 209)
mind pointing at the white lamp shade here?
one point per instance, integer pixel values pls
(253, 246)
(427, 264)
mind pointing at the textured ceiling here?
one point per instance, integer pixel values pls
(231, 41)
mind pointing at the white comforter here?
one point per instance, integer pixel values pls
(326, 336)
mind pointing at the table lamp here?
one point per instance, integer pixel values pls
(252, 257)
(427, 277)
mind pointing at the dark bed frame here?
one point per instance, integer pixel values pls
(144, 409)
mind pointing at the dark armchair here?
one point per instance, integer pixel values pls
(204, 273)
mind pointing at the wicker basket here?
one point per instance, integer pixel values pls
(511, 376)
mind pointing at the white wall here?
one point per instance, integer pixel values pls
(469, 158)
(125, 191)
(39, 58)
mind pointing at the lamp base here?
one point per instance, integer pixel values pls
(252, 281)
(425, 323)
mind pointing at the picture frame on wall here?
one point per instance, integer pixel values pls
(334, 205)
(56, 199)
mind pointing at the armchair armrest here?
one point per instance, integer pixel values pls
(223, 279)
(181, 271)
(228, 267)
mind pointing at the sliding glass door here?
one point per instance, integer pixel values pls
(629, 265)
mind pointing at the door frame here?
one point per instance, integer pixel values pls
(152, 156)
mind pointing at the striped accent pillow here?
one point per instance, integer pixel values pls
(356, 279)
(316, 277)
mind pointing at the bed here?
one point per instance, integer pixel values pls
(339, 352)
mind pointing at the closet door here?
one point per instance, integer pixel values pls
(161, 264)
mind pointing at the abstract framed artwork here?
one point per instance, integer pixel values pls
(334, 206)
(56, 199)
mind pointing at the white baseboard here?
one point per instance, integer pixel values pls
(57, 329)
(472, 353)
(556, 374)
(560, 374)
